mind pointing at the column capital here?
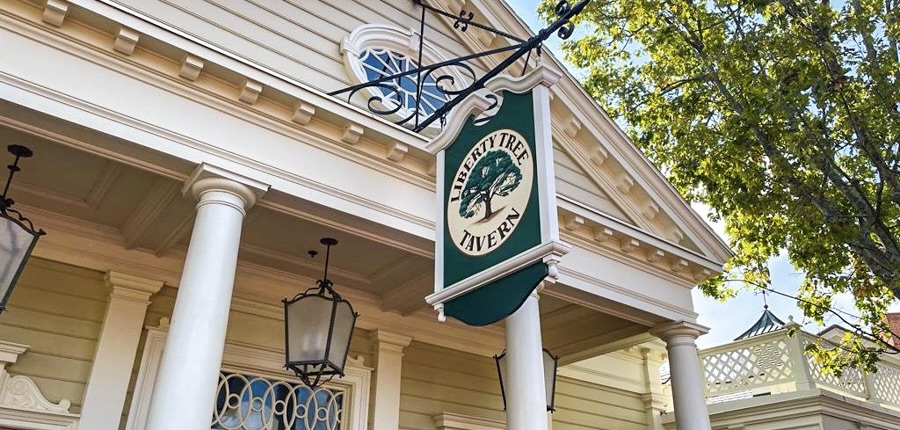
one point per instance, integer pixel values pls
(207, 177)
(668, 330)
(388, 340)
(10, 352)
(131, 287)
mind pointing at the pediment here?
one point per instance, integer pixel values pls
(612, 179)
(575, 182)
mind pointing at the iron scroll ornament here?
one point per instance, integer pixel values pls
(390, 93)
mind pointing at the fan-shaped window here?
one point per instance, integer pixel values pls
(402, 91)
(374, 52)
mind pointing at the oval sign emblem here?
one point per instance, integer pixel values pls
(490, 192)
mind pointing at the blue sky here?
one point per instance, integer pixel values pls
(729, 319)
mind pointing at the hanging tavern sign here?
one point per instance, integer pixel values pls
(497, 236)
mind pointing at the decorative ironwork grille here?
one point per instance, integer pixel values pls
(754, 365)
(407, 95)
(426, 92)
(249, 402)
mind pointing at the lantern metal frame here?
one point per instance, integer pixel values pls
(551, 402)
(7, 212)
(316, 372)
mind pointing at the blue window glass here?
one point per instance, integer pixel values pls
(401, 92)
(246, 402)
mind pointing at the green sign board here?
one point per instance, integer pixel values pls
(497, 235)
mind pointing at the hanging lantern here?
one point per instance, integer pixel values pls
(318, 326)
(17, 234)
(550, 364)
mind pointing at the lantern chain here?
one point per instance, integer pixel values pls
(6, 203)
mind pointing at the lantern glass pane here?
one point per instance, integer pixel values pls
(307, 328)
(15, 243)
(344, 319)
(549, 376)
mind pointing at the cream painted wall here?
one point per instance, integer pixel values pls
(58, 310)
(244, 328)
(584, 405)
(437, 380)
(297, 39)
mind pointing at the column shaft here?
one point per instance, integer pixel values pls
(107, 386)
(388, 371)
(184, 395)
(688, 388)
(526, 399)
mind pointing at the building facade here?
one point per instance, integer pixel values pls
(188, 156)
(764, 380)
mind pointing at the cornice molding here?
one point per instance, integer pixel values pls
(606, 235)
(382, 132)
(319, 134)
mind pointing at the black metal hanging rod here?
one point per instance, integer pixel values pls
(424, 70)
(561, 25)
(465, 19)
(391, 89)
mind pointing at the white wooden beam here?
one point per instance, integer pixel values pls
(156, 202)
(409, 296)
(108, 177)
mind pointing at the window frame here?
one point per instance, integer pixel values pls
(402, 41)
(256, 360)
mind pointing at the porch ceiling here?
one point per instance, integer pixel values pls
(145, 211)
(150, 214)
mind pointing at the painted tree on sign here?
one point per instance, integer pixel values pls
(495, 174)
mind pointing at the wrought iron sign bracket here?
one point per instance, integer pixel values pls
(386, 93)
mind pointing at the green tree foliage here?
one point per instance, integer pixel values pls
(780, 115)
(495, 174)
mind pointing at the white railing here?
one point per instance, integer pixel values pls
(775, 363)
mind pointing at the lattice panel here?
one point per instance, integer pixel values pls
(247, 402)
(762, 364)
(851, 380)
(887, 383)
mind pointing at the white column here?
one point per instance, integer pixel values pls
(114, 359)
(526, 399)
(688, 387)
(184, 395)
(388, 365)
